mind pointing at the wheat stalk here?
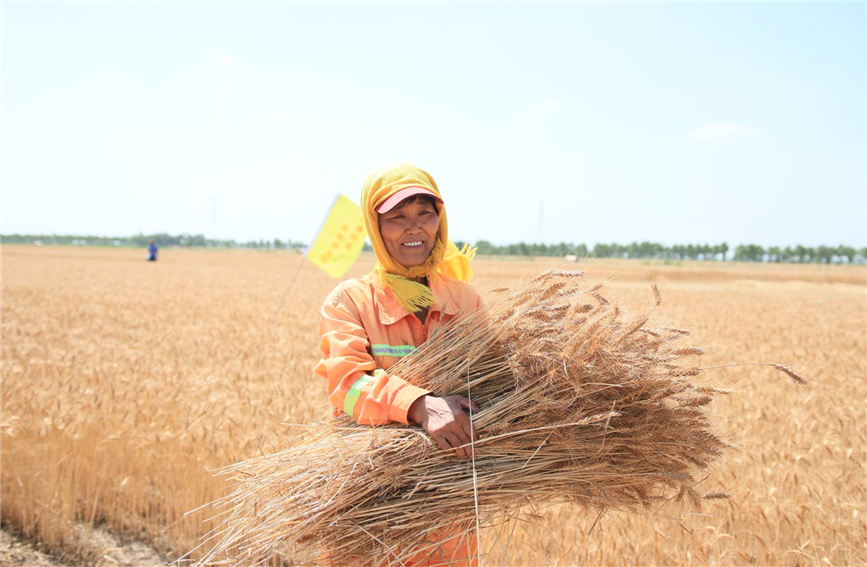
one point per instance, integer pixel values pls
(592, 406)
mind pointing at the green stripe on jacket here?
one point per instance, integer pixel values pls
(398, 351)
(352, 396)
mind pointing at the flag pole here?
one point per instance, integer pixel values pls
(303, 257)
(291, 281)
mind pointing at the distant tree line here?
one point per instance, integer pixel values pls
(142, 240)
(801, 254)
(653, 250)
(645, 250)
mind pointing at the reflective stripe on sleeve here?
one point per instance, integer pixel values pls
(397, 351)
(352, 396)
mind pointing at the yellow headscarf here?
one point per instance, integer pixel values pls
(445, 258)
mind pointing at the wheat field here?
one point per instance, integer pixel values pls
(126, 384)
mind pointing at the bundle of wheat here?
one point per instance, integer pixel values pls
(580, 402)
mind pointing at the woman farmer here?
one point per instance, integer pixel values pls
(367, 324)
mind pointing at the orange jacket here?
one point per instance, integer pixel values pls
(364, 331)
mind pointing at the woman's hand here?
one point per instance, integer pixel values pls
(447, 421)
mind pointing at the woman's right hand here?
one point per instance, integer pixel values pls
(447, 421)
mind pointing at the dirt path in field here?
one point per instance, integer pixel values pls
(106, 549)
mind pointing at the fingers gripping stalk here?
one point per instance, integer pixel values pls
(447, 422)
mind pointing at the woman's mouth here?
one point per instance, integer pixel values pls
(413, 244)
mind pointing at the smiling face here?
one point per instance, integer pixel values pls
(409, 230)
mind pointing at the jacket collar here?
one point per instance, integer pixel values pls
(391, 311)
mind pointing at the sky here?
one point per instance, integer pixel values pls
(676, 122)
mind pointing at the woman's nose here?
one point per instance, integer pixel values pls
(413, 224)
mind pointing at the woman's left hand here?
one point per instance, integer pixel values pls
(447, 421)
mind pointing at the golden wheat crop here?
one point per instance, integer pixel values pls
(125, 384)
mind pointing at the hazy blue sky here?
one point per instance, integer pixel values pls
(578, 122)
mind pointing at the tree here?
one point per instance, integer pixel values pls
(847, 252)
(749, 253)
(803, 254)
(602, 250)
(774, 254)
(485, 247)
(824, 254)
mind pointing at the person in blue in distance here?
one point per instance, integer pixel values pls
(152, 252)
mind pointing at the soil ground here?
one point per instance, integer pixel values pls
(108, 550)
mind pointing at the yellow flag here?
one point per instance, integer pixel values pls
(340, 239)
